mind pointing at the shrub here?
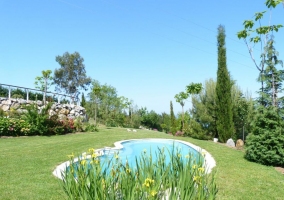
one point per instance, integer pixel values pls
(182, 178)
(265, 144)
(35, 122)
(91, 128)
(2, 113)
(14, 127)
(195, 130)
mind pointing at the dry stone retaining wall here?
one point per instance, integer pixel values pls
(69, 111)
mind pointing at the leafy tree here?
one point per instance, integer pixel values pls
(194, 88)
(204, 108)
(224, 114)
(150, 119)
(44, 82)
(180, 98)
(71, 76)
(253, 35)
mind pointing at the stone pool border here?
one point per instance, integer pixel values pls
(210, 163)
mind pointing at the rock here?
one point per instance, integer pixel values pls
(22, 101)
(64, 111)
(7, 102)
(5, 107)
(15, 106)
(62, 117)
(240, 144)
(51, 112)
(230, 142)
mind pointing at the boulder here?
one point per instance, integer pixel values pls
(64, 111)
(240, 144)
(5, 107)
(62, 117)
(230, 142)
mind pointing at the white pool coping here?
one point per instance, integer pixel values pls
(209, 161)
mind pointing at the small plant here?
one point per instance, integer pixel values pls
(78, 124)
(91, 128)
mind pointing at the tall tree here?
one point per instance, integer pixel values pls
(253, 35)
(44, 82)
(95, 99)
(180, 98)
(173, 118)
(224, 112)
(271, 76)
(71, 76)
(83, 100)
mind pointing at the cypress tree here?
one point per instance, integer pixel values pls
(224, 112)
(173, 119)
(83, 100)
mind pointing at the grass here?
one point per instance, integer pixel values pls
(26, 165)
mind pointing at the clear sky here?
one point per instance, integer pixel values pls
(149, 50)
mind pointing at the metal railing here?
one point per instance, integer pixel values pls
(30, 89)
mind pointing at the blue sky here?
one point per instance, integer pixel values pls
(149, 50)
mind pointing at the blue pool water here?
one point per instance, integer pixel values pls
(133, 149)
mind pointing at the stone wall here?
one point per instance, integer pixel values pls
(62, 110)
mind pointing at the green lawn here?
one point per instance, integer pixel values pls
(26, 165)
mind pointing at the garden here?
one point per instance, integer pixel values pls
(39, 131)
(27, 164)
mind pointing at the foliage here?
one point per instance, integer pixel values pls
(194, 88)
(71, 76)
(78, 124)
(90, 128)
(83, 100)
(180, 98)
(37, 118)
(196, 131)
(37, 157)
(260, 35)
(204, 108)
(243, 108)
(14, 127)
(150, 119)
(17, 96)
(173, 118)
(265, 144)
(43, 82)
(271, 77)
(3, 91)
(35, 122)
(224, 113)
(2, 112)
(181, 178)
(203, 111)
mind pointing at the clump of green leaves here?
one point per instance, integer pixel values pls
(91, 128)
(181, 178)
(265, 144)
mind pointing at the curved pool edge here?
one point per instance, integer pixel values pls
(209, 163)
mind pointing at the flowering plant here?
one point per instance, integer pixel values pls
(184, 177)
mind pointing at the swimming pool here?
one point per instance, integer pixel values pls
(129, 150)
